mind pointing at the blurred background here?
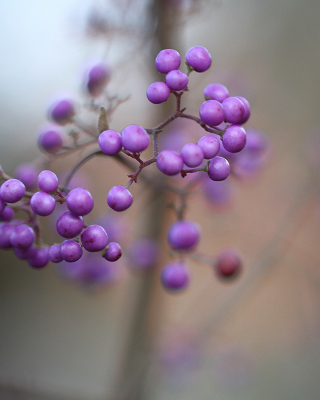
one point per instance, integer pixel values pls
(257, 337)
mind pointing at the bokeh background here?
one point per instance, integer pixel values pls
(255, 338)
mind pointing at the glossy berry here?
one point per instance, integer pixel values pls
(134, 138)
(69, 225)
(247, 111)
(12, 191)
(79, 201)
(42, 203)
(110, 142)
(183, 235)
(212, 113)
(94, 238)
(228, 265)
(167, 60)
(47, 181)
(198, 58)
(54, 253)
(216, 91)
(234, 138)
(218, 169)
(177, 80)
(175, 276)
(62, 111)
(113, 252)
(192, 155)
(27, 174)
(97, 78)
(50, 140)
(119, 198)
(70, 250)
(39, 258)
(158, 92)
(210, 146)
(169, 162)
(233, 110)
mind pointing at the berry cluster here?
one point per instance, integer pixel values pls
(220, 116)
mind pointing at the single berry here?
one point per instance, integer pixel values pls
(7, 214)
(246, 114)
(54, 253)
(39, 258)
(42, 203)
(79, 201)
(175, 276)
(110, 142)
(228, 265)
(119, 198)
(134, 138)
(234, 138)
(192, 155)
(183, 235)
(70, 250)
(62, 111)
(94, 238)
(216, 91)
(27, 174)
(198, 58)
(22, 237)
(12, 191)
(210, 146)
(158, 92)
(169, 162)
(47, 181)
(50, 140)
(211, 112)
(69, 225)
(113, 252)
(233, 110)
(218, 169)
(167, 60)
(177, 80)
(97, 78)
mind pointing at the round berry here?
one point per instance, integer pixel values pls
(234, 138)
(24, 254)
(119, 198)
(39, 258)
(192, 155)
(50, 140)
(110, 142)
(27, 174)
(42, 203)
(211, 112)
(7, 214)
(47, 181)
(134, 138)
(169, 162)
(94, 238)
(79, 201)
(233, 110)
(12, 191)
(62, 111)
(175, 276)
(167, 60)
(22, 237)
(247, 111)
(210, 146)
(6, 231)
(177, 80)
(198, 58)
(158, 92)
(218, 169)
(70, 250)
(54, 253)
(97, 78)
(216, 91)
(113, 252)
(228, 265)
(69, 225)
(183, 235)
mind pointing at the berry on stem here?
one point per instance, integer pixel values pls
(94, 238)
(198, 58)
(169, 162)
(12, 191)
(183, 235)
(158, 92)
(167, 60)
(212, 113)
(134, 138)
(216, 91)
(79, 201)
(110, 142)
(228, 265)
(175, 276)
(177, 80)
(119, 198)
(218, 169)
(234, 138)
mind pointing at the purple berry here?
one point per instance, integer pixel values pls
(175, 276)
(158, 92)
(94, 238)
(6, 231)
(211, 112)
(39, 258)
(234, 138)
(22, 237)
(24, 254)
(192, 155)
(110, 142)
(7, 214)
(169, 162)
(119, 198)
(97, 78)
(233, 110)
(143, 254)
(167, 60)
(134, 138)
(69, 225)
(216, 91)
(218, 169)
(42, 203)
(54, 253)
(70, 250)
(183, 235)
(27, 174)
(177, 80)
(246, 114)
(47, 181)
(79, 201)
(50, 140)
(228, 265)
(12, 191)
(113, 252)
(62, 111)
(198, 58)
(210, 146)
